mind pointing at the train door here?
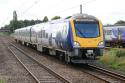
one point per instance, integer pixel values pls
(122, 37)
(50, 39)
(114, 36)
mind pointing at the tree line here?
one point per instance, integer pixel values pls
(15, 24)
(120, 22)
(23, 23)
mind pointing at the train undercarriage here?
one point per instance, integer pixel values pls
(75, 56)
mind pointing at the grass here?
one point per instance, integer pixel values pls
(2, 81)
(114, 58)
(5, 33)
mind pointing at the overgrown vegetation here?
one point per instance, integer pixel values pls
(2, 81)
(114, 58)
(15, 24)
(5, 33)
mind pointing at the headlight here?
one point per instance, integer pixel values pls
(76, 44)
(101, 44)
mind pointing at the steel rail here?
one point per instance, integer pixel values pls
(24, 65)
(107, 81)
(43, 66)
(108, 72)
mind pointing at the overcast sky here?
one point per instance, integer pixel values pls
(108, 11)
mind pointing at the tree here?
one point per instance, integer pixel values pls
(26, 23)
(45, 19)
(68, 17)
(32, 22)
(19, 24)
(120, 22)
(38, 21)
(6, 27)
(56, 17)
(107, 25)
(13, 25)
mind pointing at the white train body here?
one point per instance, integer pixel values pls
(66, 37)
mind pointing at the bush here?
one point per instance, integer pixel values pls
(2, 81)
(121, 63)
(114, 58)
(108, 59)
(120, 53)
(116, 52)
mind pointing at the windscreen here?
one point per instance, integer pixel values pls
(87, 29)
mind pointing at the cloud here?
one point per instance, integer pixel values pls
(108, 11)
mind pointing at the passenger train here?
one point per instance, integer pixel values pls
(115, 36)
(78, 39)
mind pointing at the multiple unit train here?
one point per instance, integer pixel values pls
(115, 36)
(78, 39)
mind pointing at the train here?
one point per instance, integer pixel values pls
(77, 39)
(114, 36)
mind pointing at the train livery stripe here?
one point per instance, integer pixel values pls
(69, 38)
(73, 29)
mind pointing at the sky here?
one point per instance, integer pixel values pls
(108, 11)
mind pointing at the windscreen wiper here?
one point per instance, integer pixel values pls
(80, 32)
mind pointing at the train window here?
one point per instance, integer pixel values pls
(29, 33)
(108, 32)
(33, 33)
(39, 35)
(24, 33)
(46, 35)
(43, 33)
(120, 32)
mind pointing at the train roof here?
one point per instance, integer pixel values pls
(84, 17)
(120, 26)
(108, 27)
(59, 21)
(37, 27)
(77, 17)
(24, 28)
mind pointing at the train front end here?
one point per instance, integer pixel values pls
(88, 38)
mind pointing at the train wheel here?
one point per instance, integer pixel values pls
(61, 57)
(123, 45)
(67, 59)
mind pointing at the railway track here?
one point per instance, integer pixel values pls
(47, 74)
(66, 68)
(112, 74)
(106, 79)
(11, 71)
